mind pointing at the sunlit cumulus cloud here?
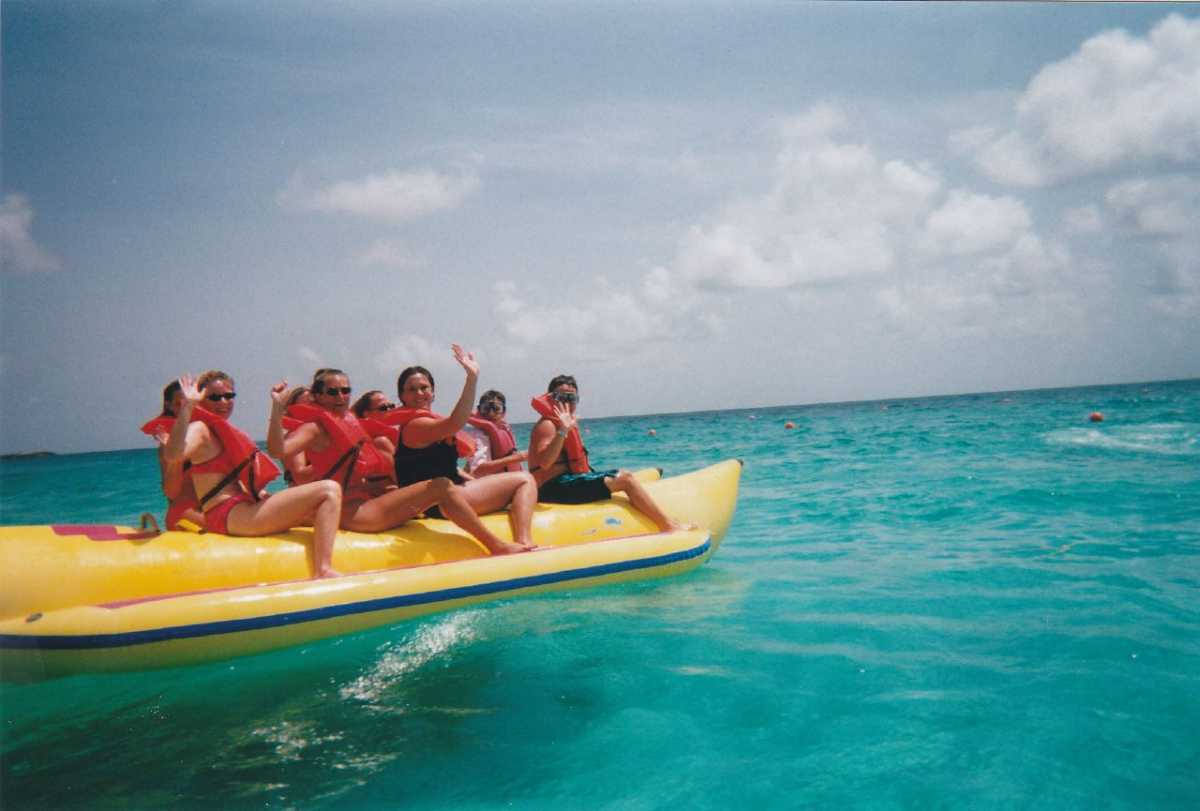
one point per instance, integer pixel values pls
(393, 196)
(841, 220)
(413, 350)
(1161, 214)
(606, 318)
(835, 213)
(1119, 99)
(19, 252)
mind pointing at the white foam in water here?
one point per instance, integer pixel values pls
(1169, 438)
(403, 658)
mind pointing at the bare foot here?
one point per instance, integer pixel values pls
(675, 526)
(506, 548)
(326, 572)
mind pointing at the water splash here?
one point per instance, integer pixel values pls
(1165, 438)
(403, 658)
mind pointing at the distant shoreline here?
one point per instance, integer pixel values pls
(27, 455)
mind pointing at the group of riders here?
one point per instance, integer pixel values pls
(374, 465)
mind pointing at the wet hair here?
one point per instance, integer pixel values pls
(560, 380)
(492, 394)
(169, 393)
(363, 403)
(318, 381)
(296, 393)
(409, 372)
(212, 376)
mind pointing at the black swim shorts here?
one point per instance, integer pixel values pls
(577, 488)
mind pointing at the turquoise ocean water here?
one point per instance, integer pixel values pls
(979, 601)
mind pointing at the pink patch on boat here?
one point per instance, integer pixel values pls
(101, 532)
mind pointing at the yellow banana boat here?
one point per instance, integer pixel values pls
(85, 599)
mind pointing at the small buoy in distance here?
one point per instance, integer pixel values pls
(789, 425)
(1096, 416)
(652, 432)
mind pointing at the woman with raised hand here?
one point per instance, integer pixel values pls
(296, 469)
(339, 449)
(229, 472)
(182, 504)
(428, 446)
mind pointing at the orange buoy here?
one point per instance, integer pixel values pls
(789, 425)
(1096, 416)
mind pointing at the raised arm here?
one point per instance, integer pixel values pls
(546, 440)
(278, 445)
(425, 431)
(185, 438)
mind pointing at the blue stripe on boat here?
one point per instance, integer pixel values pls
(92, 641)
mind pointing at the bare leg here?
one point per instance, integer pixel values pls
(317, 502)
(397, 506)
(491, 493)
(624, 482)
(456, 506)
(394, 507)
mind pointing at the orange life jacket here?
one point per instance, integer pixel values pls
(375, 428)
(187, 499)
(500, 438)
(350, 457)
(577, 457)
(400, 417)
(239, 460)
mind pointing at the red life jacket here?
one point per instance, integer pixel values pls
(577, 458)
(375, 428)
(500, 438)
(239, 460)
(187, 499)
(400, 417)
(350, 457)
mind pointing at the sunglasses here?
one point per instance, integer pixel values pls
(334, 391)
(216, 398)
(384, 407)
(491, 407)
(566, 397)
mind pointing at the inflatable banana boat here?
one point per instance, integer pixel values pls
(96, 598)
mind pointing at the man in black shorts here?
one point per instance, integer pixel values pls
(558, 460)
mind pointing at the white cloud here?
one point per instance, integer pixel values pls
(19, 252)
(834, 214)
(1161, 214)
(1118, 99)
(410, 350)
(606, 319)
(390, 253)
(1164, 207)
(1084, 219)
(969, 223)
(850, 227)
(391, 196)
(309, 355)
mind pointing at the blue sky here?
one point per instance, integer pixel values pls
(688, 206)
